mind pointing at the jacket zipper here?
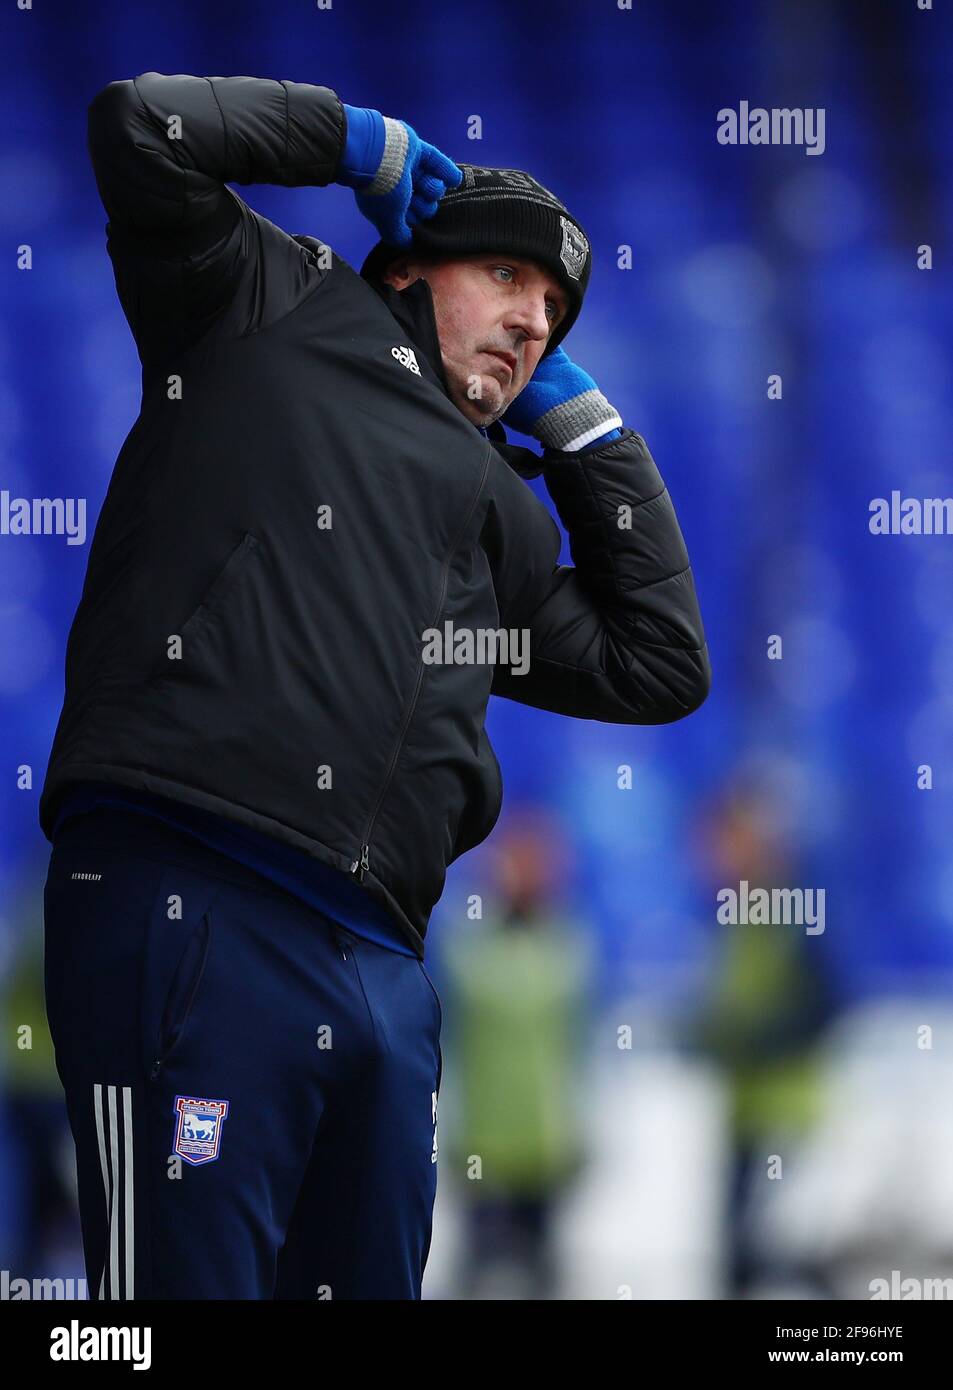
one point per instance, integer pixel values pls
(361, 864)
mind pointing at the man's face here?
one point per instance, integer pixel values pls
(487, 304)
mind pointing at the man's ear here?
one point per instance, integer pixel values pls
(401, 271)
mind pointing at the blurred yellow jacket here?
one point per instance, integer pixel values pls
(518, 1001)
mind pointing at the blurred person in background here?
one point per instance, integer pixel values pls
(518, 1004)
(763, 1022)
(42, 1239)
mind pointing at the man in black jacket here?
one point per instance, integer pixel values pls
(316, 560)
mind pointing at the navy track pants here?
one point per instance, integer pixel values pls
(252, 1091)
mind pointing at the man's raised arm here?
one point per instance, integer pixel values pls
(182, 244)
(617, 636)
(163, 148)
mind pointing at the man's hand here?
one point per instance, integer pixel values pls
(398, 178)
(562, 406)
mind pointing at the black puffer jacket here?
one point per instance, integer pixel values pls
(278, 394)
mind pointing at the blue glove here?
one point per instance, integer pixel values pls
(398, 178)
(563, 407)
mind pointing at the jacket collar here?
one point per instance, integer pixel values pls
(413, 309)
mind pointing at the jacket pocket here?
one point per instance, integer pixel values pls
(209, 609)
(430, 982)
(183, 992)
(439, 1047)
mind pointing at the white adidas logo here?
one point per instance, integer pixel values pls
(406, 358)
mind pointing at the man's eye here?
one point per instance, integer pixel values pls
(551, 307)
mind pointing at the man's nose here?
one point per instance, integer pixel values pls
(528, 315)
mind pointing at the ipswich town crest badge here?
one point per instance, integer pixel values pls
(575, 248)
(198, 1128)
